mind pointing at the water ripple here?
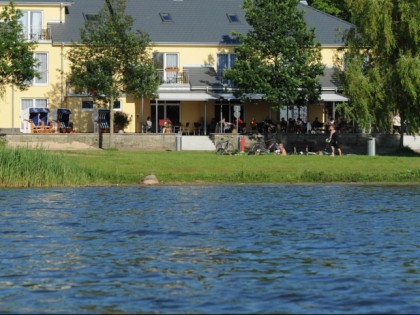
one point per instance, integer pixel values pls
(210, 249)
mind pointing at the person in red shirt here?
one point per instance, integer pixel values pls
(241, 126)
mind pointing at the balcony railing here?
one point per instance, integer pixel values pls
(223, 80)
(173, 76)
(37, 35)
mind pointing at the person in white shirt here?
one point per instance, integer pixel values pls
(396, 124)
(148, 124)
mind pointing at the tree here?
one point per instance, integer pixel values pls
(278, 57)
(382, 65)
(112, 59)
(337, 8)
(18, 65)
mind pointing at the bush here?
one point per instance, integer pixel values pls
(121, 120)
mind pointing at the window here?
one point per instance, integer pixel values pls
(91, 17)
(26, 103)
(33, 102)
(166, 17)
(224, 61)
(42, 69)
(165, 109)
(165, 60)
(32, 25)
(117, 105)
(87, 106)
(233, 18)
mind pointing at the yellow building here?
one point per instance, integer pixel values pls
(192, 45)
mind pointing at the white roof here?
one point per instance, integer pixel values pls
(333, 97)
(230, 96)
(192, 96)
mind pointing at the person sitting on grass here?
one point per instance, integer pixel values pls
(280, 150)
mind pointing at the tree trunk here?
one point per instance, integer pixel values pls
(111, 121)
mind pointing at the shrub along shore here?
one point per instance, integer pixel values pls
(23, 167)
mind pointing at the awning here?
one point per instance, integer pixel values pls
(332, 97)
(64, 111)
(37, 110)
(326, 97)
(227, 96)
(58, 113)
(193, 96)
(230, 96)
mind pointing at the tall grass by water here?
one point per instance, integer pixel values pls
(23, 167)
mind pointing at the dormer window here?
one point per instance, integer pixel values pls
(166, 17)
(91, 17)
(233, 18)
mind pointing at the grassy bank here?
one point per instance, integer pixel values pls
(22, 167)
(40, 168)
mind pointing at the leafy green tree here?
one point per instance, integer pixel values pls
(278, 57)
(18, 65)
(337, 8)
(382, 64)
(113, 59)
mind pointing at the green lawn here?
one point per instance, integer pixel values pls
(196, 167)
(40, 168)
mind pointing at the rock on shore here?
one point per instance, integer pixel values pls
(149, 180)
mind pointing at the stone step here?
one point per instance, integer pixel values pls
(197, 143)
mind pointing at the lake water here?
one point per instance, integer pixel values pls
(211, 249)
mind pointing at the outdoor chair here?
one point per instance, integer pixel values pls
(186, 129)
(105, 128)
(197, 128)
(147, 128)
(33, 128)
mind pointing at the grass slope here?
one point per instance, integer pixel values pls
(40, 168)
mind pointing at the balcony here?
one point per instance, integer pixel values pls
(38, 35)
(170, 79)
(173, 76)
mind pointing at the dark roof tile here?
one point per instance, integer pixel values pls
(194, 21)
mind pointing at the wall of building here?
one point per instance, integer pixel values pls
(330, 55)
(58, 68)
(80, 141)
(350, 143)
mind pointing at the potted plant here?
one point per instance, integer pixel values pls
(172, 69)
(121, 120)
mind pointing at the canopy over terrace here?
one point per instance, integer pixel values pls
(184, 96)
(325, 96)
(330, 96)
(333, 97)
(230, 96)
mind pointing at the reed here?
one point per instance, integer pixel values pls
(23, 167)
